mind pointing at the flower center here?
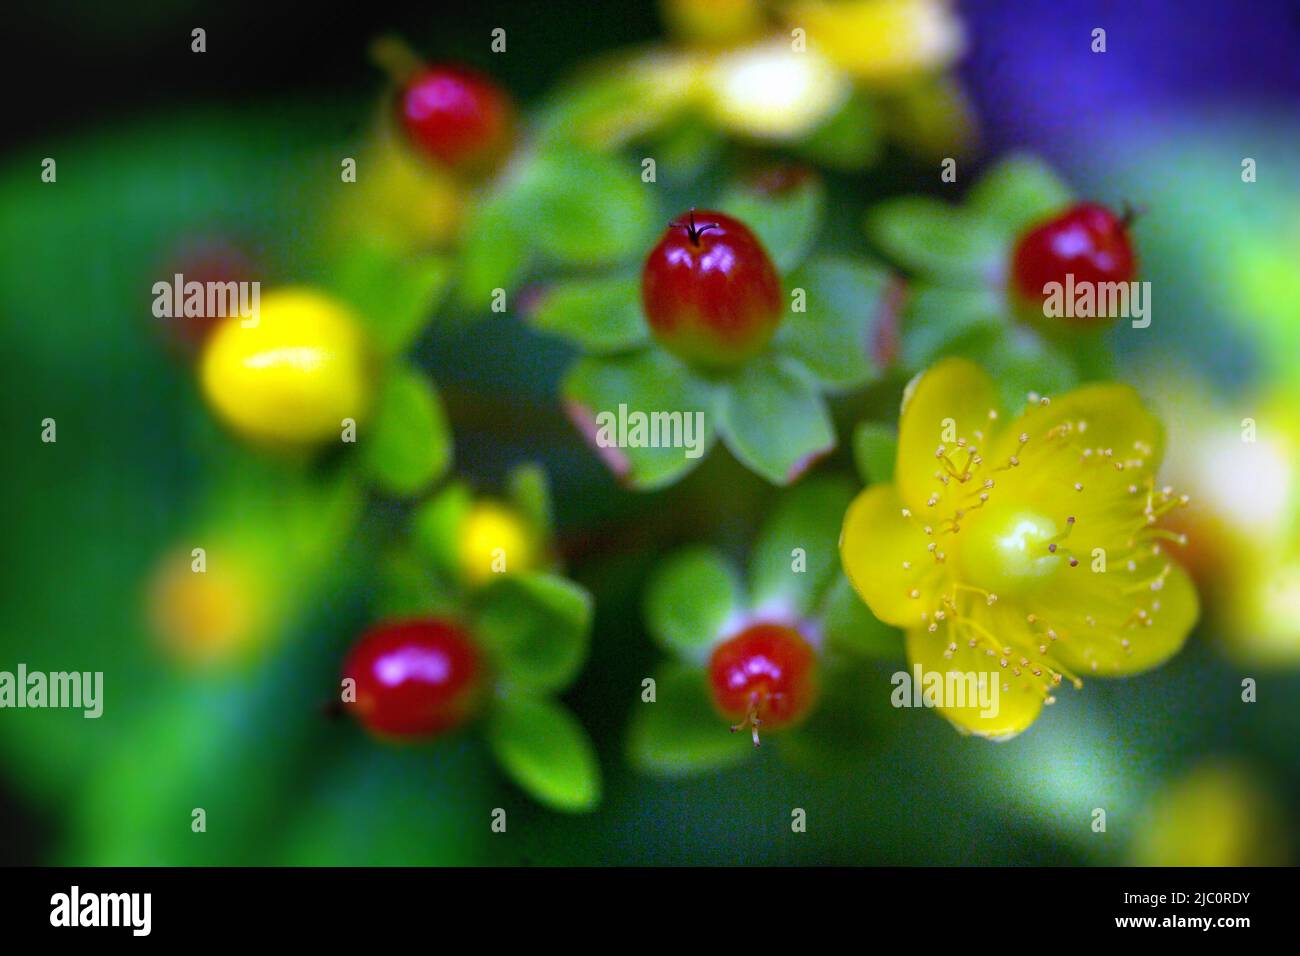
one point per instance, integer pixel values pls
(1010, 551)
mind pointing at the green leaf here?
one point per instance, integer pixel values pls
(937, 240)
(435, 525)
(832, 337)
(1019, 191)
(546, 751)
(393, 294)
(690, 598)
(1021, 362)
(406, 586)
(601, 314)
(849, 141)
(602, 109)
(875, 448)
(530, 492)
(798, 547)
(680, 733)
(849, 625)
(586, 209)
(496, 251)
(537, 626)
(938, 322)
(410, 443)
(645, 382)
(786, 222)
(774, 421)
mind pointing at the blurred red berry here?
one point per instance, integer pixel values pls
(764, 676)
(457, 116)
(1087, 241)
(414, 678)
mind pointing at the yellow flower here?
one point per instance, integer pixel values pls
(769, 91)
(1030, 551)
(293, 374)
(494, 539)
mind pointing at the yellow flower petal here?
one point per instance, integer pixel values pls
(885, 559)
(1011, 702)
(953, 401)
(1109, 418)
(881, 41)
(1115, 624)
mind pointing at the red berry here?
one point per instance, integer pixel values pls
(764, 675)
(1087, 240)
(710, 291)
(414, 678)
(459, 117)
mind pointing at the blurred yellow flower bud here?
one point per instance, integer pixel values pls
(771, 91)
(1219, 814)
(494, 539)
(208, 616)
(881, 41)
(713, 22)
(402, 199)
(290, 376)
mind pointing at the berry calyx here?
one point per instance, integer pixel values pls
(1087, 241)
(710, 291)
(765, 675)
(414, 678)
(458, 117)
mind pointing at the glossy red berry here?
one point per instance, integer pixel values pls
(414, 678)
(710, 291)
(458, 117)
(764, 676)
(1087, 241)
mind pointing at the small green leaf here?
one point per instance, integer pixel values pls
(410, 442)
(1017, 192)
(786, 223)
(798, 547)
(586, 209)
(654, 389)
(849, 625)
(496, 252)
(393, 294)
(842, 301)
(435, 525)
(546, 752)
(689, 599)
(601, 314)
(774, 421)
(875, 448)
(937, 240)
(849, 141)
(530, 492)
(680, 733)
(536, 626)
(940, 321)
